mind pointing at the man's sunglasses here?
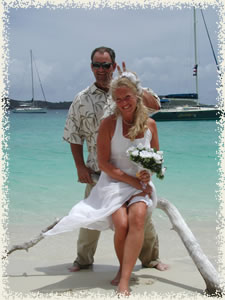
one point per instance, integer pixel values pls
(104, 65)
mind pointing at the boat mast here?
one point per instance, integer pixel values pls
(32, 79)
(196, 55)
(213, 52)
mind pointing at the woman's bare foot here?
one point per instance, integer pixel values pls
(162, 267)
(123, 289)
(116, 280)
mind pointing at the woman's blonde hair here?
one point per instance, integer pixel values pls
(141, 114)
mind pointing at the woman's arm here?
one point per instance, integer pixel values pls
(155, 139)
(105, 134)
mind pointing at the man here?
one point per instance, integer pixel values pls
(82, 124)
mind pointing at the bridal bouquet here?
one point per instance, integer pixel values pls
(147, 158)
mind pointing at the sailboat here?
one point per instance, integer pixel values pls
(186, 107)
(31, 106)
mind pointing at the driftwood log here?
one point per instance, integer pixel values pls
(33, 242)
(202, 263)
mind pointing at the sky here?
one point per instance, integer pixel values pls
(157, 44)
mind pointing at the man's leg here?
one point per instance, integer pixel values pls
(149, 255)
(86, 243)
(86, 247)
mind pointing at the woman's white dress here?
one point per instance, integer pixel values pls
(108, 195)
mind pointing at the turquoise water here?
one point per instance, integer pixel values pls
(42, 178)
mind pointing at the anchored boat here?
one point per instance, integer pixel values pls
(186, 107)
(31, 106)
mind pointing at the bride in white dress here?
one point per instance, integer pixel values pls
(119, 200)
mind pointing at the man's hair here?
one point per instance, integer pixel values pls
(103, 49)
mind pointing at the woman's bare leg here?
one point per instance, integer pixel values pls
(120, 221)
(132, 247)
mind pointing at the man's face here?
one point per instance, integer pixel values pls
(102, 68)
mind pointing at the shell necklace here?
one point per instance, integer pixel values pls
(127, 123)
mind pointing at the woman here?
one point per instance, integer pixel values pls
(129, 126)
(120, 199)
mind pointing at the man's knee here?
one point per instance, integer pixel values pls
(149, 227)
(86, 246)
(87, 236)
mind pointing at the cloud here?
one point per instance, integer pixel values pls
(157, 44)
(168, 74)
(154, 62)
(44, 69)
(208, 69)
(16, 66)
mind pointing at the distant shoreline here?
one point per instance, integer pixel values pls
(11, 104)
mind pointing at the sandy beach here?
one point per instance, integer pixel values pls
(44, 269)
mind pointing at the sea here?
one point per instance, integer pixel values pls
(42, 180)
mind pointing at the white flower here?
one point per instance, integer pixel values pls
(132, 148)
(157, 157)
(130, 76)
(160, 153)
(140, 146)
(135, 153)
(163, 171)
(149, 149)
(134, 79)
(145, 154)
(147, 158)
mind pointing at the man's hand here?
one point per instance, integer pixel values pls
(84, 175)
(123, 66)
(150, 101)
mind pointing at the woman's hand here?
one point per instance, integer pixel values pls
(144, 176)
(147, 189)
